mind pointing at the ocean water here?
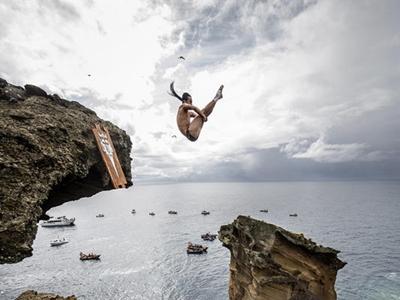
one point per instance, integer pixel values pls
(144, 257)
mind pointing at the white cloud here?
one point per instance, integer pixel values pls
(292, 74)
(300, 86)
(50, 49)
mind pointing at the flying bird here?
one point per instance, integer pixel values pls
(89, 75)
(173, 136)
(181, 57)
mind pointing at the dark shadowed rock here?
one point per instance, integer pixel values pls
(33, 295)
(3, 83)
(48, 155)
(33, 90)
(12, 93)
(268, 262)
(56, 98)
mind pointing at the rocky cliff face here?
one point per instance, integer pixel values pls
(268, 262)
(48, 155)
(33, 295)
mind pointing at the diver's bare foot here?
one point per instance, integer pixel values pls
(219, 93)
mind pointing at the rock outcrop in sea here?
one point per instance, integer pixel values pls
(33, 295)
(48, 155)
(269, 262)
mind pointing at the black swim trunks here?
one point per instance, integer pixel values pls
(190, 137)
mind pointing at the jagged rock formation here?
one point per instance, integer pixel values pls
(33, 295)
(268, 262)
(48, 155)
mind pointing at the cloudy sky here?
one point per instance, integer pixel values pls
(311, 87)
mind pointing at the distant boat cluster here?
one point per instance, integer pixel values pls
(170, 212)
(190, 249)
(266, 211)
(58, 222)
(64, 222)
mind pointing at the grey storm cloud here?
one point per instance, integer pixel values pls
(62, 8)
(379, 130)
(225, 28)
(274, 165)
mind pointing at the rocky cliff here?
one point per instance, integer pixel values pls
(48, 155)
(268, 262)
(33, 295)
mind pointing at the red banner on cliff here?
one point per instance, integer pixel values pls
(109, 155)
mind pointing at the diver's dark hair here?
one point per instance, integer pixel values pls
(174, 94)
(185, 96)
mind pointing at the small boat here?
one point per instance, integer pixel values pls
(196, 249)
(172, 212)
(292, 215)
(152, 214)
(100, 216)
(133, 211)
(208, 237)
(264, 210)
(58, 222)
(58, 242)
(89, 256)
(204, 212)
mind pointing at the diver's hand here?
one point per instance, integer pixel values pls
(204, 117)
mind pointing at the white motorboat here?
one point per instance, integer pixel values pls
(58, 242)
(58, 222)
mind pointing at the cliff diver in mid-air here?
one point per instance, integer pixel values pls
(191, 128)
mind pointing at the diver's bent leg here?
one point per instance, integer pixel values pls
(209, 108)
(195, 128)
